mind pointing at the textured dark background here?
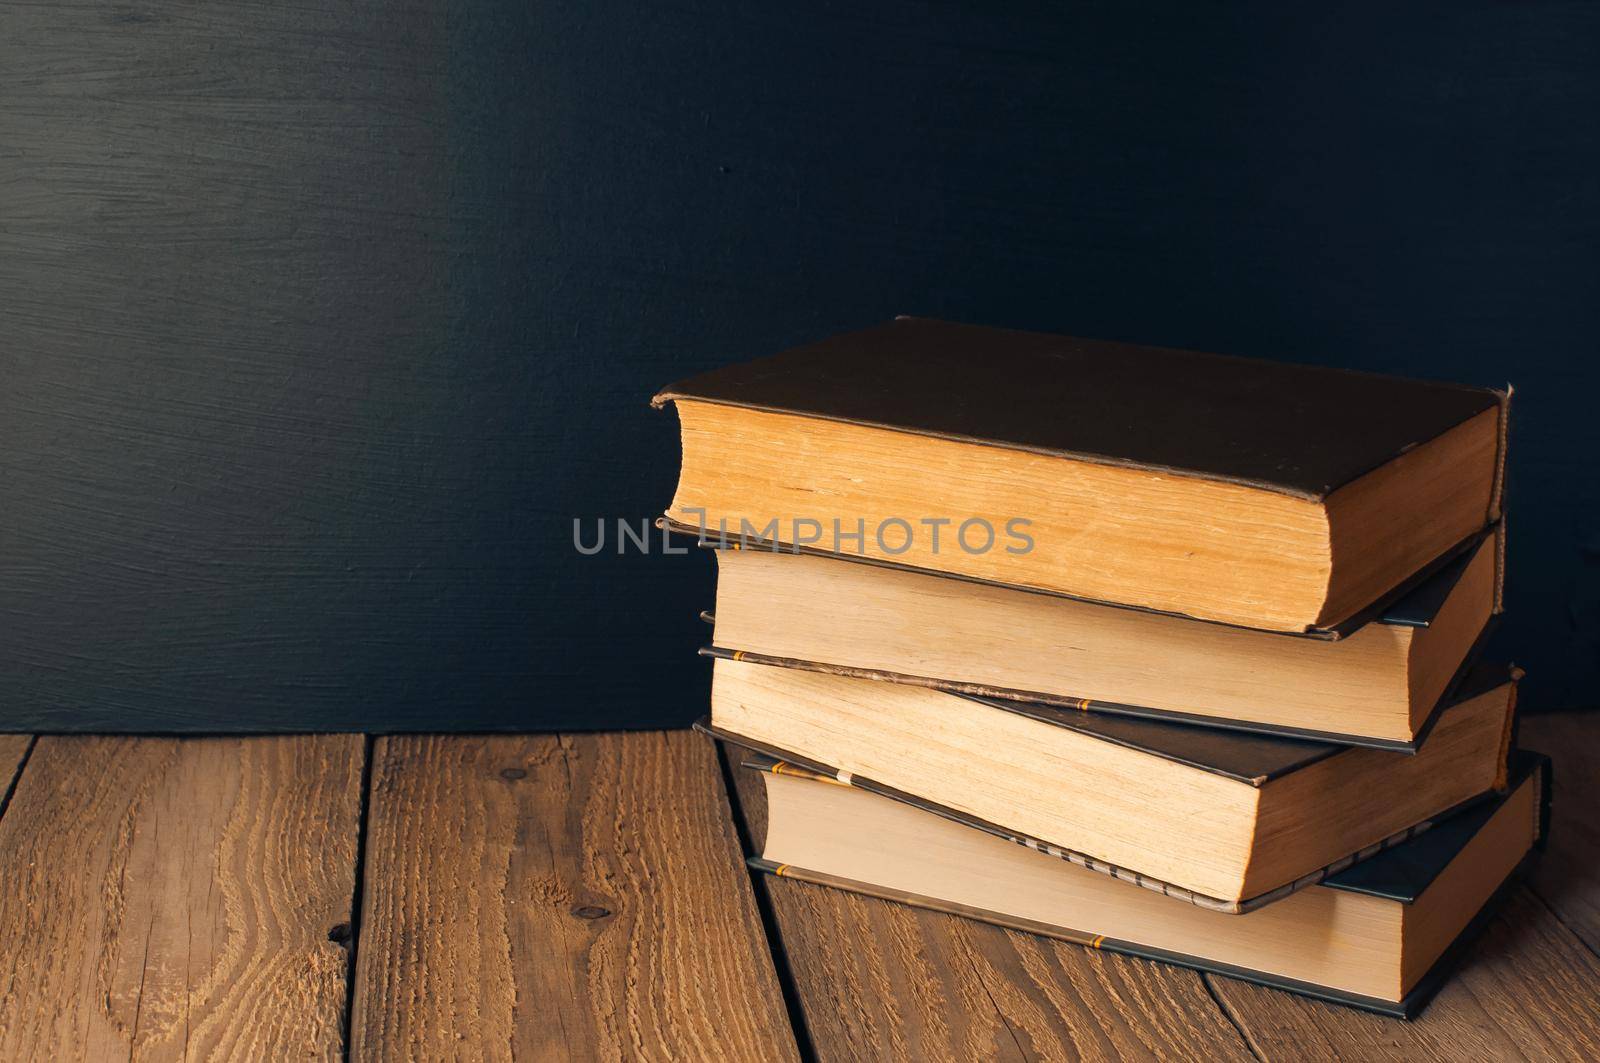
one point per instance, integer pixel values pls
(321, 323)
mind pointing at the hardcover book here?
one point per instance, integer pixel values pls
(1268, 495)
(1379, 935)
(1382, 685)
(1226, 820)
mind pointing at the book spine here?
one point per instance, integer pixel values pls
(1497, 491)
(1541, 825)
(1502, 777)
(1500, 565)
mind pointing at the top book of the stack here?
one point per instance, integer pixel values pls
(1261, 494)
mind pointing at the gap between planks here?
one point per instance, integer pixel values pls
(14, 751)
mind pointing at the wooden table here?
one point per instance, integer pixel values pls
(582, 896)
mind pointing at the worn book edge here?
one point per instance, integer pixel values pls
(1497, 491)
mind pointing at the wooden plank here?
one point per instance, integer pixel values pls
(1527, 990)
(1568, 877)
(878, 980)
(568, 897)
(171, 899)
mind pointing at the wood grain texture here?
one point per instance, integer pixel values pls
(1568, 877)
(1528, 990)
(884, 981)
(173, 899)
(574, 897)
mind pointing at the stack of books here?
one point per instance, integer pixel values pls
(1167, 653)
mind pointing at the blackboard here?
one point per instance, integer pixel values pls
(323, 323)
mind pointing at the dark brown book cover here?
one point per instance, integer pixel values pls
(1399, 870)
(1292, 429)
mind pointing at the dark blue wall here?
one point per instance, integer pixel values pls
(322, 325)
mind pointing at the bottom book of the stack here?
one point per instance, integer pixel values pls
(1378, 935)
